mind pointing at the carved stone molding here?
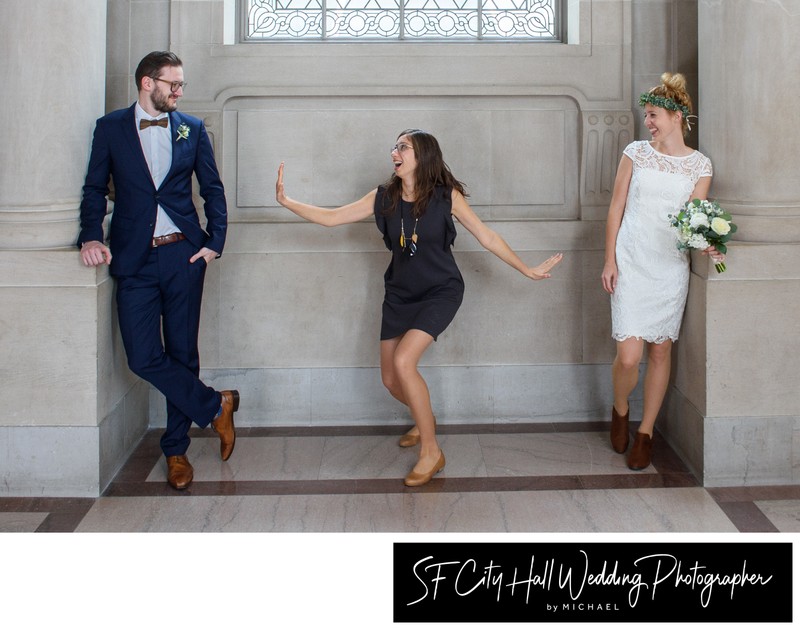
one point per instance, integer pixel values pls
(605, 136)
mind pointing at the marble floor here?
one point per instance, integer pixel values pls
(310, 490)
(498, 478)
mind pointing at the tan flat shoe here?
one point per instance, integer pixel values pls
(420, 479)
(412, 439)
(409, 439)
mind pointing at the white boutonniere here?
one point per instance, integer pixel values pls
(183, 131)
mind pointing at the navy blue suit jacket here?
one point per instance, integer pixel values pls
(117, 154)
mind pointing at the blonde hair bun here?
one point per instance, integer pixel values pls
(675, 82)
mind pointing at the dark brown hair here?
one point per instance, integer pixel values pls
(152, 64)
(431, 171)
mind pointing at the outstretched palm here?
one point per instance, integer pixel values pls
(542, 271)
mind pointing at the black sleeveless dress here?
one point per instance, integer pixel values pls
(423, 291)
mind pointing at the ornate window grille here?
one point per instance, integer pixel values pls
(393, 20)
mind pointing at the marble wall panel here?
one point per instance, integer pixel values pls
(753, 332)
(610, 22)
(118, 37)
(461, 394)
(49, 461)
(552, 393)
(323, 309)
(196, 21)
(509, 319)
(61, 346)
(690, 352)
(136, 418)
(529, 159)
(531, 238)
(114, 379)
(682, 425)
(519, 156)
(112, 447)
(49, 357)
(121, 430)
(149, 26)
(749, 450)
(652, 33)
(342, 396)
(598, 345)
(353, 396)
(300, 309)
(269, 396)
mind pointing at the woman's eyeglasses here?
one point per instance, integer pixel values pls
(401, 148)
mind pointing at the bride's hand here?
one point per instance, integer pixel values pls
(716, 256)
(609, 277)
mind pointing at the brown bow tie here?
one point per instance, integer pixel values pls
(144, 123)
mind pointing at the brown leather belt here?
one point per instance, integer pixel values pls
(158, 241)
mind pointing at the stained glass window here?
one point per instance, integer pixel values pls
(392, 20)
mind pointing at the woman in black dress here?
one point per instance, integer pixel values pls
(414, 210)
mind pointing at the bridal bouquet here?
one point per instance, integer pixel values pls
(702, 224)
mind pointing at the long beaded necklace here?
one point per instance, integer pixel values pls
(412, 243)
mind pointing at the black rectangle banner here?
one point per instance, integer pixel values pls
(592, 582)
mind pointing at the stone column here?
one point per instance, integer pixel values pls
(54, 88)
(63, 382)
(736, 409)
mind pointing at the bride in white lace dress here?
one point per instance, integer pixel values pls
(645, 273)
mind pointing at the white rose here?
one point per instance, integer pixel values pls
(720, 226)
(697, 241)
(698, 220)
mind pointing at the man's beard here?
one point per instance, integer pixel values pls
(161, 102)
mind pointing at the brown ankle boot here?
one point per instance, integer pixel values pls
(639, 457)
(620, 435)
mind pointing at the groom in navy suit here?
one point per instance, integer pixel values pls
(159, 250)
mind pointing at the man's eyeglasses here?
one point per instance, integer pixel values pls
(401, 148)
(174, 86)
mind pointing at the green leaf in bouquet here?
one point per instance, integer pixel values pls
(721, 248)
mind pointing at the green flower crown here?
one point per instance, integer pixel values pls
(663, 102)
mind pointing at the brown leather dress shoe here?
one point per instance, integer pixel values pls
(620, 434)
(179, 472)
(420, 479)
(639, 457)
(223, 423)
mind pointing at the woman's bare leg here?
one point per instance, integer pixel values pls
(656, 382)
(399, 369)
(625, 371)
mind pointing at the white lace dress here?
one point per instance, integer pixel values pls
(653, 275)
